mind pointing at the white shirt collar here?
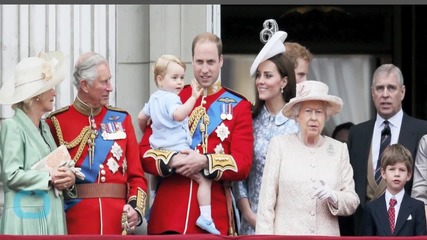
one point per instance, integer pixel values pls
(398, 197)
(395, 121)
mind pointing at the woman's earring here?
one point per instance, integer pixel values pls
(37, 98)
(281, 90)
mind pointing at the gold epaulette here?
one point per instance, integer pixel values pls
(109, 107)
(235, 93)
(58, 111)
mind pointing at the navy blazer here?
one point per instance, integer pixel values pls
(359, 145)
(411, 219)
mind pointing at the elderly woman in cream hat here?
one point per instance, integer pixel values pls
(308, 180)
(31, 206)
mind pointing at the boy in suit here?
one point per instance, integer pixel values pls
(395, 213)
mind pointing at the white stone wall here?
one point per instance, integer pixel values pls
(73, 29)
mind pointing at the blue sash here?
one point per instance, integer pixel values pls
(91, 172)
(214, 113)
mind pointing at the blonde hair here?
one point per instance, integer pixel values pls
(25, 105)
(295, 51)
(161, 65)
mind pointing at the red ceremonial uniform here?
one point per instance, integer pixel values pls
(175, 207)
(121, 166)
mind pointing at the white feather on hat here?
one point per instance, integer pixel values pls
(33, 76)
(273, 47)
(313, 90)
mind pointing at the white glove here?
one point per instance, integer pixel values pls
(323, 191)
(77, 172)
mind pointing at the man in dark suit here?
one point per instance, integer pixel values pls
(387, 92)
(395, 213)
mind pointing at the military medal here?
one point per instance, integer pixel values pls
(226, 111)
(112, 131)
(222, 131)
(112, 165)
(219, 149)
(104, 133)
(120, 132)
(117, 151)
(229, 111)
(223, 112)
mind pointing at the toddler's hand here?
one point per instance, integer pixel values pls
(196, 92)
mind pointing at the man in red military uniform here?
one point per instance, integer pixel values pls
(101, 140)
(221, 128)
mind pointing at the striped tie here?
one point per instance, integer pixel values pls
(385, 141)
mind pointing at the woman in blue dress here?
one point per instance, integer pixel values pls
(275, 83)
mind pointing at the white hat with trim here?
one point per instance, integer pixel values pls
(34, 76)
(273, 47)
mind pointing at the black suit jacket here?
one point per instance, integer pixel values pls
(359, 145)
(411, 220)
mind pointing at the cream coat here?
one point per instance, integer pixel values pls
(287, 204)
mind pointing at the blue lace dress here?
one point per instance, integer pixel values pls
(265, 127)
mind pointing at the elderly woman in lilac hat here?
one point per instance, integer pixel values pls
(308, 180)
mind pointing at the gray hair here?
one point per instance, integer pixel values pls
(388, 69)
(86, 67)
(326, 106)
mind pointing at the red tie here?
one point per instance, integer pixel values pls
(391, 213)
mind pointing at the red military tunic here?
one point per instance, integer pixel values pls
(175, 207)
(100, 215)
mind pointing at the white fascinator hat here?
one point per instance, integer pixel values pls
(274, 44)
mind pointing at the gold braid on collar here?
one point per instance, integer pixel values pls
(84, 108)
(80, 139)
(214, 88)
